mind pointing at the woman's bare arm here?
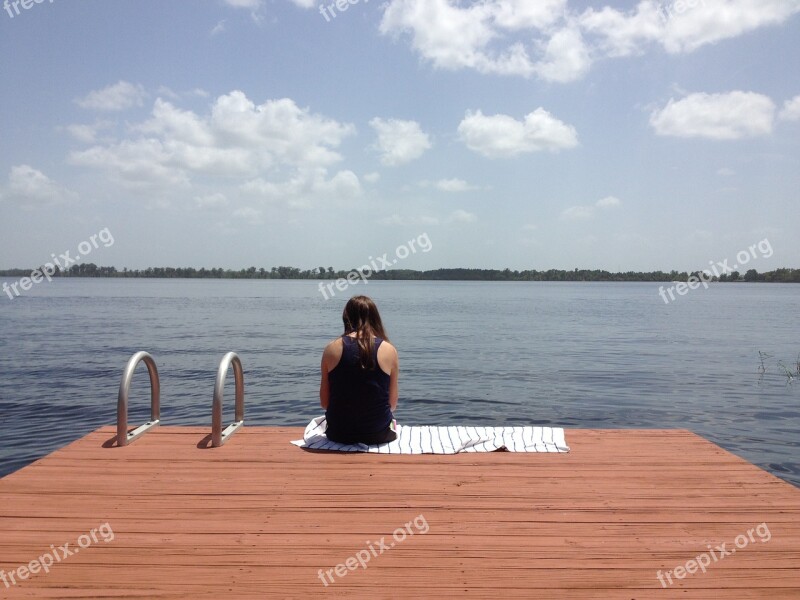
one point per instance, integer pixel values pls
(329, 359)
(390, 363)
(324, 386)
(394, 391)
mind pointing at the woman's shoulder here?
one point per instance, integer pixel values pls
(334, 347)
(332, 353)
(387, 346)
(334, 343)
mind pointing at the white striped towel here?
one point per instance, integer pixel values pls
(423, 439)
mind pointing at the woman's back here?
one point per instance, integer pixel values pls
(359, 397)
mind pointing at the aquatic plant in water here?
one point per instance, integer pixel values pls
(791, 374)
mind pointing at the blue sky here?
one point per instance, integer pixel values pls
(520, 134)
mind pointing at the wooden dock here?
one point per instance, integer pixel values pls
(260, 518)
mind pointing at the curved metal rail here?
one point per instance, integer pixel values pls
(123, 436)
(218, 436)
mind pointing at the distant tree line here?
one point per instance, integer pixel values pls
(92, 270)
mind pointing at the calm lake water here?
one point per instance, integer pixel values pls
(589, 355)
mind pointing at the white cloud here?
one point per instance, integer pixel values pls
(400, 141)
(30, 188)
(454, 185)
(791, 110)
(250, 4)
(140, 163)
(306, 3)
(575, 213)
(249, 215)
(462, 216)
(680, 27)
(83, 133)
(502, 136)
(609, 202)
(166, 92)
(178, 125)
(87, 133)
(726, 172)
(711, 21)
(307, 186)
(524, 14)
(565, 58)
(278, 130)
(373, 177)
(394, 220)
(623, 34)
(120, 96)
(276, 146)
(216, 200)
(729, 116)
(582, 213)
(452, 36)
(559, 42)
(449, 36)
(397, 220)
(218, 28)
(254, 6)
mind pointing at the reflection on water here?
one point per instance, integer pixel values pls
(597, 355)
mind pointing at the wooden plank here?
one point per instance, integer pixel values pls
(261, 518)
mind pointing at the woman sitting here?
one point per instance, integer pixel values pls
(359, 378)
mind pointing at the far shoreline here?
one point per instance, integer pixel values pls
(92, 271)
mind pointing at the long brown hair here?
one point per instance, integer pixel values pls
(361, 316)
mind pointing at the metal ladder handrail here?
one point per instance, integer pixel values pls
(218, 436)
(123, 437)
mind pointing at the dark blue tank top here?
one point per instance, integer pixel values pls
(359, 399)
